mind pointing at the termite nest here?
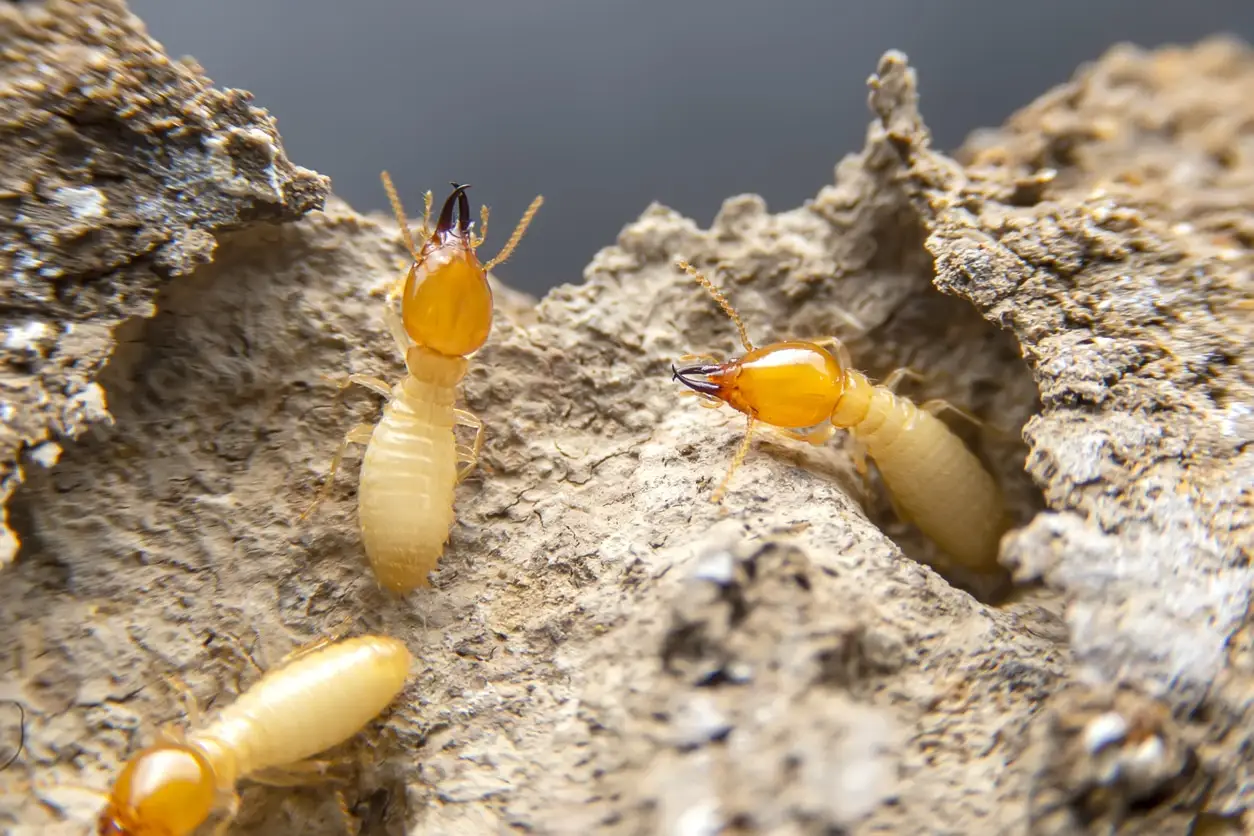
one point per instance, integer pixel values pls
(581, 591)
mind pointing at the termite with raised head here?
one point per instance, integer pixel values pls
(413, 461)
(808, 392)
(318, 700)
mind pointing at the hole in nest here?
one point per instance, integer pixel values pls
(956, 356)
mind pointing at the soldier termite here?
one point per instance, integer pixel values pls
(808, 392)
(413, 461)
(318, 700)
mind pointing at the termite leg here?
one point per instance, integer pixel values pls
(398, 286)
(857, 452)
(698, 358)
(244, 652)
(463, 418)
(817, 436)
(897, 375)
(359, 434)
(838, 349)
(938, 405)
(322, 641)
(191, 706)
(396, 327)
(737, 461)
(171, 733)
(466, 460)
(374, 384)
(297, 774)
(704, 400)
(898, 509)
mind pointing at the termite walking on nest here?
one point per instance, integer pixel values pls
(413, 461)
(808, 392)
(317, 701)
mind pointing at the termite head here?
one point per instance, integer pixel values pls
(793, 385)
(447, 303)
(165, 790)
(788, 384)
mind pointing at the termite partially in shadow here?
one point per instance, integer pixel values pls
(413, 461)
(808, 390)
(321, 698)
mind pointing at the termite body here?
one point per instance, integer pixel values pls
(413, 461)
(808, 392)
(315, 702)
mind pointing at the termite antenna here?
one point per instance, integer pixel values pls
(719, 298)
(519, 232)
(483, 227)
(737, 461)
(399, 210)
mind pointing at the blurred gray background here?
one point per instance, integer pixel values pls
(606, 105)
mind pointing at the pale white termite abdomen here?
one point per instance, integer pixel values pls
(315, 702)
(937, 483)
(408, 476)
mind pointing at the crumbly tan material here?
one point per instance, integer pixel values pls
(604, 651)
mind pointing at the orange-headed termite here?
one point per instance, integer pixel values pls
(413, 461)
(809, 391)
(318, 700)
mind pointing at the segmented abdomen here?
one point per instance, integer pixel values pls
(935, 480)
(317, 701)
(408, 476)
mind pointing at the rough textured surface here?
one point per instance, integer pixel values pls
(604, 651)
(1108, 227)
(117, 167)
(1120, 273)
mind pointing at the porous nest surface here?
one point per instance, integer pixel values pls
(606, 651)
(117, 168)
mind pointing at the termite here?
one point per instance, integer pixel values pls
(413, 461)
(318, 700)
(808, 390)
